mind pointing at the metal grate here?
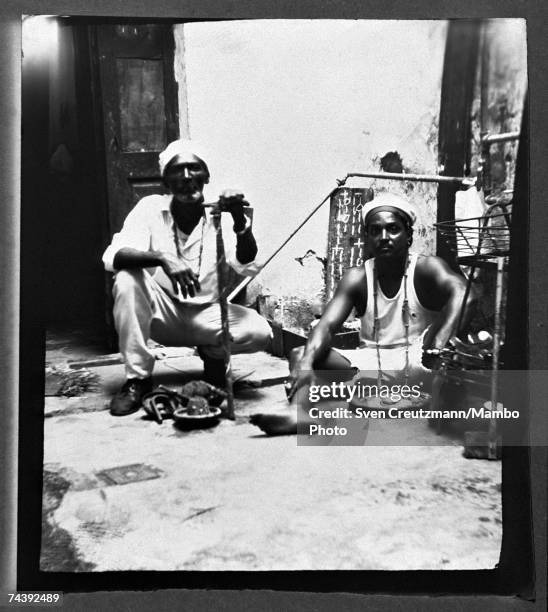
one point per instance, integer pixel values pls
(477, 238)
(126, 474)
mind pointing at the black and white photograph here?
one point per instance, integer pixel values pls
(227, 199)
(275, 305)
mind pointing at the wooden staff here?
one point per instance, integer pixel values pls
(222, 284)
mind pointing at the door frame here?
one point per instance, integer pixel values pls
(91, 130)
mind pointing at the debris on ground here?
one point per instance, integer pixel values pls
(70, 383)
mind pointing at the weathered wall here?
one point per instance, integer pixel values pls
(286, 107)
(498, 108)
(504, 84)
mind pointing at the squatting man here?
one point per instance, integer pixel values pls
(165, 283)
(407, 303)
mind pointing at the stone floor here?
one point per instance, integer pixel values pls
(231, 498)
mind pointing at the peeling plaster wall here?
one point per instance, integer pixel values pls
(287, 107)
(505, 85)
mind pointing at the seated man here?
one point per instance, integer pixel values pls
(407, 303)
(176, 302)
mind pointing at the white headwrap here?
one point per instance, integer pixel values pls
(389, 199)
(181, 147)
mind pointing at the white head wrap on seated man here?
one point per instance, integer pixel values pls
(391, 203)
(182, 147)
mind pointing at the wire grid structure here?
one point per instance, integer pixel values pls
(477, 239)
(478, 242)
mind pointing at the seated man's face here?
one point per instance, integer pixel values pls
(185, 176)
(386, 235)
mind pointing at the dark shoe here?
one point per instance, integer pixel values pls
(129, 399)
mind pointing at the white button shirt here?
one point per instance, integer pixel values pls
(149, 227)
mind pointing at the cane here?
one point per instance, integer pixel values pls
(222, 288)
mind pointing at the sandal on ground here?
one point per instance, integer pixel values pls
(161, 403)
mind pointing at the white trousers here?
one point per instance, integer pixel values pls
(143, 311)
(393, 360)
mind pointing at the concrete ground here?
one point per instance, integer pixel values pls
(231, 498)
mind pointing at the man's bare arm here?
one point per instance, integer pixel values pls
(348, 295)
(178, 272)
(246, 246)
(440, 288)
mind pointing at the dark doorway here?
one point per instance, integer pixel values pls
(98, 107)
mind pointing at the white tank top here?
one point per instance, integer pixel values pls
(390, 312)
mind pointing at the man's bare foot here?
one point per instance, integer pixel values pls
(280, 424)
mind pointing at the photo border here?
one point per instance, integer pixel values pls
(481, 583)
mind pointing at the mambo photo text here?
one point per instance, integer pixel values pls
(393, 393)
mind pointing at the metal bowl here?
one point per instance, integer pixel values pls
(183, 420)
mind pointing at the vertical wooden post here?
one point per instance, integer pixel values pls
(524, 347)
(457, 94)
(492, 436)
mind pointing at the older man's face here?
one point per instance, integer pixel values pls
(185, 176)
